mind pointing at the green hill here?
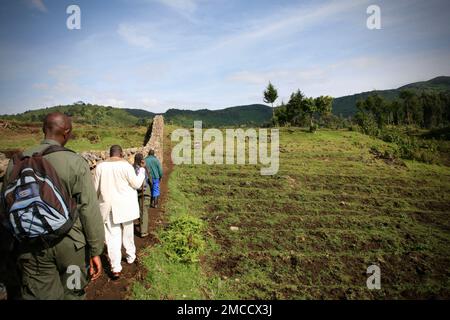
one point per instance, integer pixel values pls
(346, 105)
(140, 113)
(81, 113)
(247, 115)
(108, 116)
(255, 114)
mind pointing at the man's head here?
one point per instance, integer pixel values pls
(57, 126)
(151, 152)
(116, 151)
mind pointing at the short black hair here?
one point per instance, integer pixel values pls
(151, 152)
(115, 150)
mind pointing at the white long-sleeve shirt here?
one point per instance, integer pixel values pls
(116, 183)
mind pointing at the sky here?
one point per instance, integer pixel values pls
(194, 54)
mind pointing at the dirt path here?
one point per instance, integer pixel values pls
(106, 289)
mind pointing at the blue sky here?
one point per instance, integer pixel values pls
(192, 54)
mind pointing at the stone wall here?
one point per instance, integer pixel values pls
(155, 142)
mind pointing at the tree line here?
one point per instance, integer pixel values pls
(299, 110)
(426, 109)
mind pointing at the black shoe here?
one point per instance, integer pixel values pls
(115, 275)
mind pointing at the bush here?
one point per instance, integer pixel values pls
(313, 128)
(406, 144)
(409, 147)
(183, 240)
(367, 123)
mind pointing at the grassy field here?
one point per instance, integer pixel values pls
(311, 231)
(86, 137)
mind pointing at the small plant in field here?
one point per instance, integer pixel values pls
(183, 240)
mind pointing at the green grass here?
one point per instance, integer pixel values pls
(166, 279)
(86, 137)
(311, 231)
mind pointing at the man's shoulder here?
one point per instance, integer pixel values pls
(151, 159)
(114, 164)
(70, 155)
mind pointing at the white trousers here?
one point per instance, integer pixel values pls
(115, 235)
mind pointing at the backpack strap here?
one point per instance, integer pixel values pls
(17, 167)
(18, 156)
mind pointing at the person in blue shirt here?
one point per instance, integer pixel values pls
(156, 173)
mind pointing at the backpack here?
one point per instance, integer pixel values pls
(38, 207)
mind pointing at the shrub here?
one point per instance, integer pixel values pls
(313, 128)
(367, 123)
(183, 240)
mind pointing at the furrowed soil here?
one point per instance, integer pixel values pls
(312, 230)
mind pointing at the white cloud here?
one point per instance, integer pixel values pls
(114, 102)
(182, 6)
(40, 86)
(38, 4)
(283, 75)
(285, 23)
(134, 35)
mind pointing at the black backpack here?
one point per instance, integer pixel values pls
(38, 207)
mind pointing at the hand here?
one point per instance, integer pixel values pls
(96, 267)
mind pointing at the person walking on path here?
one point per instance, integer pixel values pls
(156, 173)
(51, 174)
(116, 183)
(143, 195)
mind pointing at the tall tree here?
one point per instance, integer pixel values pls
(294, 112)
(409, 104)
(270, 96)
(309, 107)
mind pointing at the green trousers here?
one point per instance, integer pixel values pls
(56, 273)
(143, 219)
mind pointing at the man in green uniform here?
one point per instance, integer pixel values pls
(155, 171)
(63, 270)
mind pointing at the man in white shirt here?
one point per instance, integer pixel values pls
(116, 183)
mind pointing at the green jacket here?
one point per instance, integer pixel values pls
(154, 167)
(76, 176)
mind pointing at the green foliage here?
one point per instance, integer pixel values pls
(83, 114)
(270, 94)
(249, 115)
(367, 123)
(301, 108)
(410, 147)
(183, 239)
(294, 113)
(427, 110)
(347, 105)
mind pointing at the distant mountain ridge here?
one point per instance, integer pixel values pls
(346, 105)
(246, 115)
(85, 113)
